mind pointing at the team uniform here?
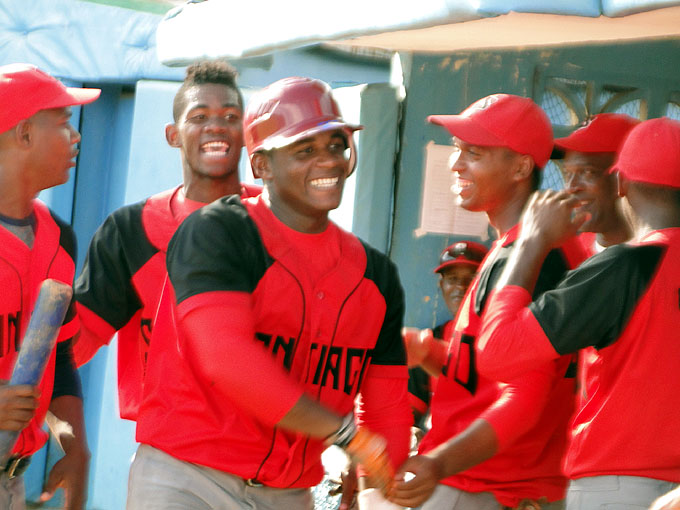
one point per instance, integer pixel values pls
(121, 281)
(622, 427)
(22, 270)
(311, 316)
(529, 414)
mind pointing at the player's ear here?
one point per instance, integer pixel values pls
(172, 135)
(261, 164)
(524, 166)
(23, 132)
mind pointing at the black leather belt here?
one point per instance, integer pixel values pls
(16, 466)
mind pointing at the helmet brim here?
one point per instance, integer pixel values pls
(283, 140)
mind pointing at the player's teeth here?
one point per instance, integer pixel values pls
(324, 183)
(213, 148)
(459, 185)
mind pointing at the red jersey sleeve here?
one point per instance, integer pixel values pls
(383, 407)
(218, 338)
(511, 339)
(94, 333)
(519, 407)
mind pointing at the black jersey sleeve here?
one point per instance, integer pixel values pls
(593, 304)
(67, 238)
(66, 377)
(389, 349)
(552, 271)
(419, 384)
(217, 248)
(118, 249)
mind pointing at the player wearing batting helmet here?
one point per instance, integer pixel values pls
(494, 444)
(119, 287)
(625, 303)
(38, 147)
(457, 266)
(280, 321)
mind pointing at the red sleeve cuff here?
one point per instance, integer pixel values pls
(417, 403)
(94, 333)
(69, 329)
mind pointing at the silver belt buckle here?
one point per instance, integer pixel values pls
(251, 482)
(11, 467)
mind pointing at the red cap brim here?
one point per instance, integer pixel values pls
(458, 262)
(467, 130)
(73, 96)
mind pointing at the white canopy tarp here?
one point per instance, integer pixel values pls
(230, 28)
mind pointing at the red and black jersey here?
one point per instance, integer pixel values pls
(331, 339)
(529, 414)
(120, 284)
(624, 302)
(22, 270)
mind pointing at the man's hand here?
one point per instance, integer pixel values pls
(66, 423)
(70, 474)
(669, 501)
(348, 489)
(418, 344)
(17, 405)
(370, 450)
(549, 218)
(425, 475)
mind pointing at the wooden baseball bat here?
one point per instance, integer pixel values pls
(36, 347)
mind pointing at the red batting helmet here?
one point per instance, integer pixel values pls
(462, 252)
(291, 109)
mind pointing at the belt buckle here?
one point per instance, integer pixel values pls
(252, 482)
(12, 466)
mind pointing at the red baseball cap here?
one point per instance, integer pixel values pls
(503, 120)
(25, 90)
(651, 153)
(604, 132)
(462, 252)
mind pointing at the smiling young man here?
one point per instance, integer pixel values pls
(119, 287)
(38, 147)
(624, 302)
(281, 321)
(491, 444)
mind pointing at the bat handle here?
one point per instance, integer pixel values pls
(37, 345)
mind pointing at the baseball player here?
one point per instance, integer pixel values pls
(120, 284)
(457, 266)
(494, 444)
(587, 155)
(282, 320)
(37, 149)
(623, 302)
